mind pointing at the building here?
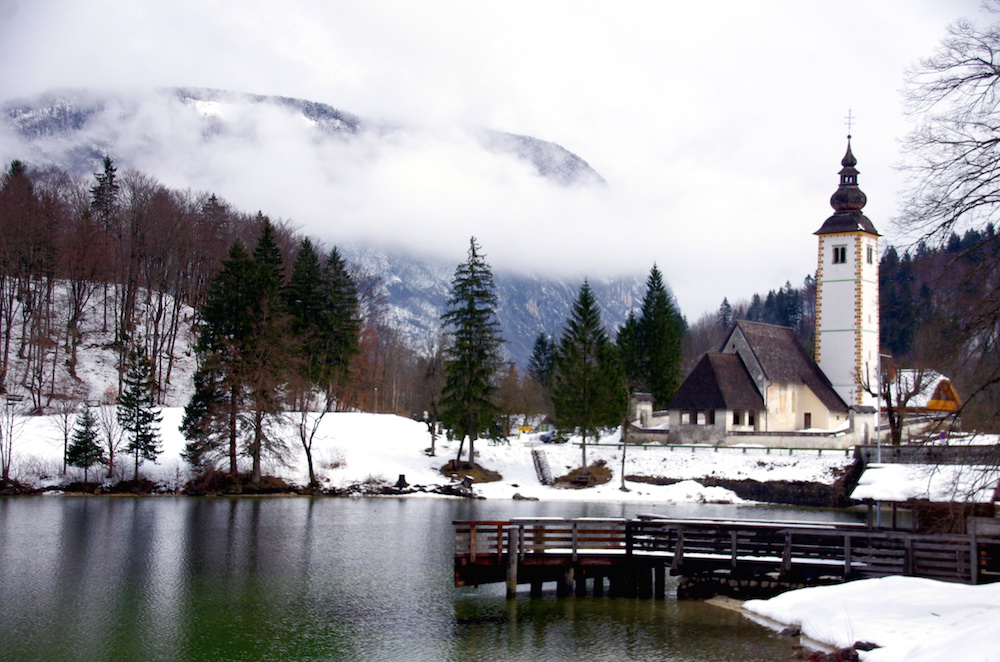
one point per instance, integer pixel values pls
(847, 332)
(762, 387)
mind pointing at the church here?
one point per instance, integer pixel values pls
(762, 387)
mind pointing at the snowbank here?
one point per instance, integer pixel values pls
(352, 448)
(911, 619)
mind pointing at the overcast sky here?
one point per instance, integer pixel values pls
(718, 126)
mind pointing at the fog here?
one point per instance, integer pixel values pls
(718, 128)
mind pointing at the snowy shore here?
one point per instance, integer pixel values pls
(359, 448)
(908, 619)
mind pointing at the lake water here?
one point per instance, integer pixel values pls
(180, 578)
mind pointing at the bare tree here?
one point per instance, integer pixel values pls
(951, 158)
(11, 424)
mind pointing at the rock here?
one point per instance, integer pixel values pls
(520, 497)
(792, 631)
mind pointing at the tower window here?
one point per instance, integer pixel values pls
(871, 254)
(840, 254)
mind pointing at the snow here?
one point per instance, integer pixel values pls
(938, 483)
(911, 619)
(354, 448)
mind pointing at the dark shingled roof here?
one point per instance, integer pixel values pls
(783, 359)
(719, 381)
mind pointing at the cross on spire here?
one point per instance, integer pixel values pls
(849, 122)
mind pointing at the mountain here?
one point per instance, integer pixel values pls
(415, 290)
(74, 128)
(201, 132)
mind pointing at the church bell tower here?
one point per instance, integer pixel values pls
(847, 298)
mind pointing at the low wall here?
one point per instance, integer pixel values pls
(982, 454)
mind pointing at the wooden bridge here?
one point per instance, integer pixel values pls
(743, 558)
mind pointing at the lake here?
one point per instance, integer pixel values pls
(183, 578)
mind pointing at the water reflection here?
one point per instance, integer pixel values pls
(313, 579)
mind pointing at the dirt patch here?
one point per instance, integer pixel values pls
(459, 470)
(596, 474)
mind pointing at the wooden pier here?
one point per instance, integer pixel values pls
(742, 558)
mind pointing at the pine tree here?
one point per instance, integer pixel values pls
(589, 388)
(267, 358)
(137, 413)
(661, 331)
(630, 350)
(542, 361)
(473, 352)
(322, 303)
(84, 449)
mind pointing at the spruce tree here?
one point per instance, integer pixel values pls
(589, 390)
(660, 332)
(473, 352)
(84, 449)
(322, 303)
(630, 349)
(542, 361)
(137, 413)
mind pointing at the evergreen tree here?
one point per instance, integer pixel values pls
(104, 194)
(227, 324)
(137, 413)
(342, 323)
(542, 361)
(660, 331)
(322, 304)
(84, 448)
(631, 351)
(204, 420)
(267, 364)
(588, 390)
(473, 353)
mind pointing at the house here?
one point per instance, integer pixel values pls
(930, 392)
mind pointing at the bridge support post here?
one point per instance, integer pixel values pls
(513, 545)
(564, 588)
(659, 582)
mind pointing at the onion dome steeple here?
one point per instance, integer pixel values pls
(848, 201)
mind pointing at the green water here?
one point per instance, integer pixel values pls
(168, 578)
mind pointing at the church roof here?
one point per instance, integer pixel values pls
(719, 381)
(848, 201)
(781, 357)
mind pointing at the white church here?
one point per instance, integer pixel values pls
(761, 387)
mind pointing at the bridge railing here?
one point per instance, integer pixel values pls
(483, 541)
(698, 545)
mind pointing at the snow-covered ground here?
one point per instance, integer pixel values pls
(910, 619)
(352, 448)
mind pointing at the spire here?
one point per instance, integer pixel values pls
(848, 196)
(848, 200)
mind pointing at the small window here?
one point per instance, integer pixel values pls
(737, 418)
(840, 254)
(751, 418)
(871, 255)
(710, 417)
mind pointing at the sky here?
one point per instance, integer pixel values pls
(718, 127)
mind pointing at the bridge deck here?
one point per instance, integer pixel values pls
(802, 552)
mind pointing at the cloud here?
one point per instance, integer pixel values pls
(719, 127)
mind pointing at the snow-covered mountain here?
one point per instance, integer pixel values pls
(415, 291)
(201, 138)
(74, 128)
